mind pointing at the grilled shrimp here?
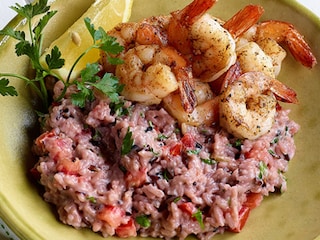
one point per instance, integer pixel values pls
(151, 72)
(258, 46)
(283, 32)
(248, 105)
(131, 34)
(152, 69)
(201, 37)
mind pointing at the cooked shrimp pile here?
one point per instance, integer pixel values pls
(207, 71)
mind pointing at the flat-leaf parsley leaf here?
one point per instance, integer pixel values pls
(127, 143)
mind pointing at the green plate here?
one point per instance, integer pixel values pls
(292, 215)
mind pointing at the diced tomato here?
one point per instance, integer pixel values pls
(253, 200)
(112, 215)
(258, 153)
(243, 216)
(136, 178)
(127, 230)
(58, 147)
(188, 207)
(68, 166)
(176, 149)
(40, 142)
(188, 141)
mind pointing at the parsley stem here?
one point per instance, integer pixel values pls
(44, 93)
(30, 30)
(64, 90)
(28, 81)
(77, 60)
(67, 82)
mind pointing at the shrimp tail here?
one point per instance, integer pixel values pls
(282, 92)
(284, 32)
(186, 89)
(193, 11)
(233, 73)
(148, 34)
(178, 28)
(300, 50)
(243, 20)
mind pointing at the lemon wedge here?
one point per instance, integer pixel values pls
(73, 42)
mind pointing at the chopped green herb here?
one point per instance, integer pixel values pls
(150, 127)
(127, 143)
(193, 151)
(92, 199)
(142, 114)
(166, 175)
(237, 144)
(263, 170)
(96, 135)
(286, 130)
(143, 221)
(198, 216)
(209, 161)
(204, 131)
(149, 148)
(272, 152)
(177, 130)
(162, 137)
(177, 199)
(118, 108)
(155, 153)
(275, 140)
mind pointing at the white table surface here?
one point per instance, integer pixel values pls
(6, 14)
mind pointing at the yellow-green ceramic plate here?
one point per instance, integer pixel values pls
(292, 215)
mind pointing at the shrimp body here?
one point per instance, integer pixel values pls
(214, 48)
(201, 37)
(151, 72)
(248, 105)
(252, 58)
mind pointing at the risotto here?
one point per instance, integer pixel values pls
(203, 182)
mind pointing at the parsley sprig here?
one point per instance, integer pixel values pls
(108, 84)
(32, 47)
